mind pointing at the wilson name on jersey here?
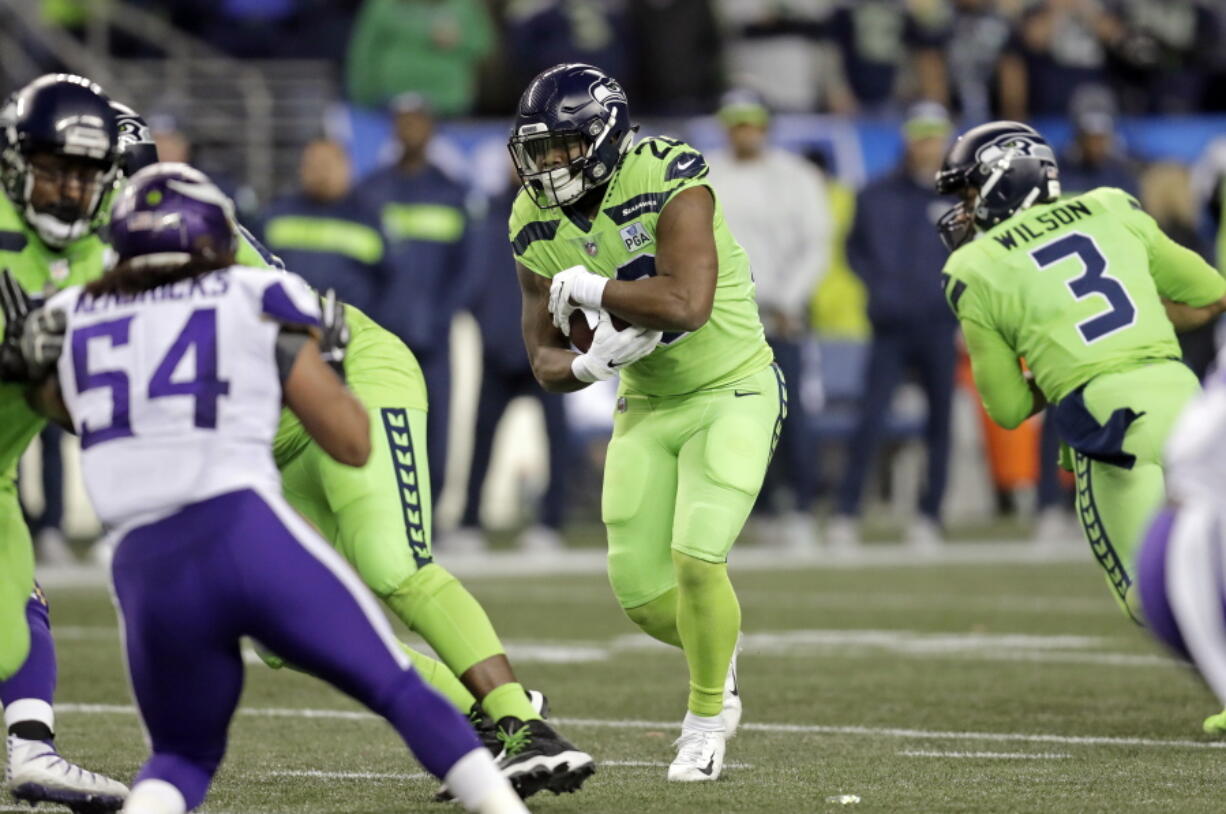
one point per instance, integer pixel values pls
(180, 381)
(620, 243)
(1075, 287)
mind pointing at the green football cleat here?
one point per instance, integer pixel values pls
(1215, 724)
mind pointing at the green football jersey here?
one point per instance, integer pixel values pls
(620, 243)
(40, 270)
(1074, 288)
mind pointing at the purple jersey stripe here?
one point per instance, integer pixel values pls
(278, 305)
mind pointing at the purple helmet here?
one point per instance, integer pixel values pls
(169, 214)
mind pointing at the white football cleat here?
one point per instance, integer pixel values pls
(36, 773)
(731, 712)
(700, 756)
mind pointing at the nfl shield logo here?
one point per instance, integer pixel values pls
(591, 248)
(60, 269)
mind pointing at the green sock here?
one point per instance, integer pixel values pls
(708, 620)
(509, 700)
(658, 618)
(436, 674)
(437, 607)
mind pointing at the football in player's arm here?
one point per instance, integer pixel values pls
(636, 232)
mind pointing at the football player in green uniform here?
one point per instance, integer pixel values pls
(378, 515)
(59, 156)
(1089, 292)
(637, 232)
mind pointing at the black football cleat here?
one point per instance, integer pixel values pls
(534, 757)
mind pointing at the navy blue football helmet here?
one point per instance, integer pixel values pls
(70, 118)
(998, 169)
(135, 140)
(571, 131)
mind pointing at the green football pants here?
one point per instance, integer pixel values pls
(681, 475)
(1115, 504)
(16, 581)
(378, 517)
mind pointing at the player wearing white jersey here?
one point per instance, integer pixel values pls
(173, 371)
(1181, 566)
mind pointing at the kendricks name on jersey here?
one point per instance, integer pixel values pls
(214, 285)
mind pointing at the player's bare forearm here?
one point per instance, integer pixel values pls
(548, 350)
(681, 295)
(1189, 317)
(331, 414)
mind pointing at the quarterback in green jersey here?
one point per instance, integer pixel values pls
(636, 233)
(377, 516)
(1089, 292)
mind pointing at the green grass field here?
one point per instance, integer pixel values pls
(954, 685)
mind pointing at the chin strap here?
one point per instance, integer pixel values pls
(54, 232)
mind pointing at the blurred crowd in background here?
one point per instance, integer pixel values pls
(847, 278)
(981, 58)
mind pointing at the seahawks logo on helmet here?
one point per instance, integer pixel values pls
(132, 128)
(607, 90)
(1012, 145)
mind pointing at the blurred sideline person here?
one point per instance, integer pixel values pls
(776, 205)
(327, 234)
(638, 233)
(506, 373)
(1166, 194)
(208, 550)
(893, 248)
(50, 545)
(1094, 158)
(377, 516)
(425, 222)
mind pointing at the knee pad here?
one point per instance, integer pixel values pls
(658, 618)
(694, 574)
(420, 587)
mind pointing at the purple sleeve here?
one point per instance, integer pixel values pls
(289, 300)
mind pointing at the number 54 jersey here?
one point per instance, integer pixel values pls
(1074, 287)
(178, 388)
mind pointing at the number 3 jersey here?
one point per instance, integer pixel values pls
(175, 392)
(620, 242)
(1073, 287)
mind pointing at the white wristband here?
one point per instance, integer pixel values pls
(588, 368)
(588, 290)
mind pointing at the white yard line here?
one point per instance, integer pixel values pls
(315, 774)
(985, 755)
(653, 764)
(668, 726)
(999, 647)
(744, 558)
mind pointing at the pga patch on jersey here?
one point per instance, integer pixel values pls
(635, 237)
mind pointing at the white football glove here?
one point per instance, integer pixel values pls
(572, 288)
(612, 350)
(42, 341)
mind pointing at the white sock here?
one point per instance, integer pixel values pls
(475, 781)
(155, 797)
(702, 723)
(29, 709)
